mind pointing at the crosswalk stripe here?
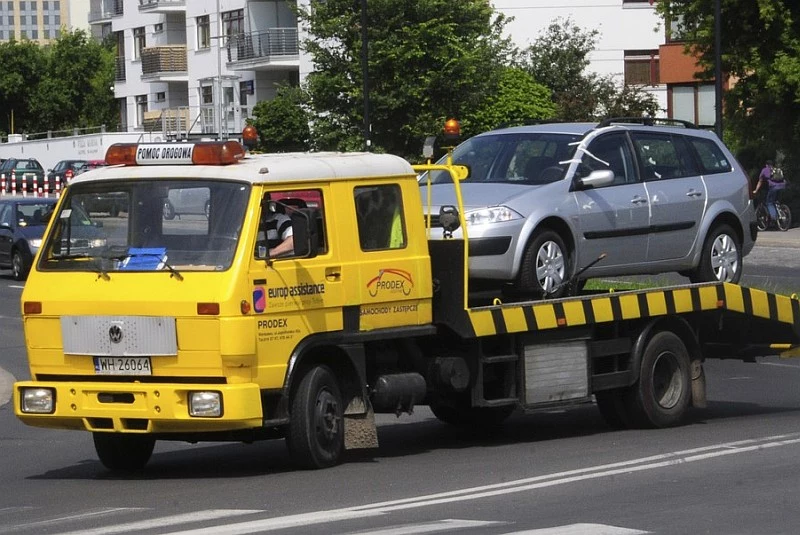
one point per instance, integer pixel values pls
(430, 527)
(581, 529)
(196, 516)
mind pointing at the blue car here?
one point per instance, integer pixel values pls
(22, 223)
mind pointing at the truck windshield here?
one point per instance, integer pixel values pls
(146, 225)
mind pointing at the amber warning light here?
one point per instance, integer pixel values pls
(452, 129)
(210, 153)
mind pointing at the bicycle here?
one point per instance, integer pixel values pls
(783, 221)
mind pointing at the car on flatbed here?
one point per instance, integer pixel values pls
(550, 205)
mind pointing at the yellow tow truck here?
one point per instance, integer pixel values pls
(177, 321)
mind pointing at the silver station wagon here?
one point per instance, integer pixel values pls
(548, 206)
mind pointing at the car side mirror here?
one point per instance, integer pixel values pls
(596, 179)
(306, 232)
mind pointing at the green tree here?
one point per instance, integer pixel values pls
(283, 122)
(518, 99)
(559, 59)
(22, 67)
(76, 91)
(760, 56)
(428, 60)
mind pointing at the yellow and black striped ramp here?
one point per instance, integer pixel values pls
(630, 305)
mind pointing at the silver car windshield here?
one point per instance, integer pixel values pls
(522, 158)
(146, 225)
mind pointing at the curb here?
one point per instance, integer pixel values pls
(6, 382)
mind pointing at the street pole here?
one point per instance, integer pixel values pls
(718, 67)
(218, 100)
(365, 73)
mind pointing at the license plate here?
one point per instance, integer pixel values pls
(122, 366)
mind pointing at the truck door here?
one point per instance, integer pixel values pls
(292, 297)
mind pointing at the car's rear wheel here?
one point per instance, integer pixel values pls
(721, 259)
(545, 266)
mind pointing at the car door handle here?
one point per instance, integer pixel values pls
(333, 273)
(639, 200)
(694, 193)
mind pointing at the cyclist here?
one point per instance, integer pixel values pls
(774, 185)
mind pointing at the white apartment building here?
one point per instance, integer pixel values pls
(201, 65)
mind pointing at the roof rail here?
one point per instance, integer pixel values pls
(646, 121)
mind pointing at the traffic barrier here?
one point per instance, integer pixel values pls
(3, 184)
(13, 183)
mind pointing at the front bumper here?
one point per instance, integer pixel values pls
(141, 408)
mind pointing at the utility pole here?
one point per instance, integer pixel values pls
(365, 74)
(718, 67)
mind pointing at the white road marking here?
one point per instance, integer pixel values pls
(196, 516)
(430, 527)
(521, 485)
(581, 529)
(795, 366)
(80, 516)
(6, 380)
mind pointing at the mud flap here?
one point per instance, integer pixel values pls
(698, 385)
(359, 426)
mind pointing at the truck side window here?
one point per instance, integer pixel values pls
(379, 212)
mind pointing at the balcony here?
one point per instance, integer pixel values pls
(162, 6)
(119, 69)
(272, 48)
(165, 63)
(106, 12)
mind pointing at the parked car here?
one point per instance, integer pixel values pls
(622, 197)
(27, 173)
(90, 165)
(187, 201)
(64, 171)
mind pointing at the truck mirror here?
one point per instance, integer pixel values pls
(305, 231)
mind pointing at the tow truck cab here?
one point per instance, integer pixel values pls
(185, 327)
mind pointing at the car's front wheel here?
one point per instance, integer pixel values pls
(19, 266)
(721, 259)
(545, 265)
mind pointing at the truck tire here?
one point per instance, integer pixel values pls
(316, 426)
(545, 266)
(477, 418)
(721, 259)
(663, 391)
(123, 452)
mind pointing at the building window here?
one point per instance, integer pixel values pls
(676, 30)
(139, 42)
(161, 96)
(206, 94)
(233, 22)
(141, 108)
(693, 103)
(641, 67)
(203, 32)
(158, 28)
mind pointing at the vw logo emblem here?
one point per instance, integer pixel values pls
(115, 334)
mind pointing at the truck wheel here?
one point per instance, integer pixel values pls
(611, 404)
(477, 418)
(123, 452)
(19, 267)
(721, 260)
(663, 392)
(316, 427)
(169, 211)
(545, 266)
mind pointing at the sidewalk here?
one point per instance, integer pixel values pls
(776, 238)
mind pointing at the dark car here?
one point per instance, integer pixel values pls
(64, 171)
(22, 223)
(22, 174)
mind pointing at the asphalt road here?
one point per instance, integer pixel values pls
(732, 470)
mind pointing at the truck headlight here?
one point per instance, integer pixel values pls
(205, 404)
(38, 401)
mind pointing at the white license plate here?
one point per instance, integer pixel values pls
(122, 366)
